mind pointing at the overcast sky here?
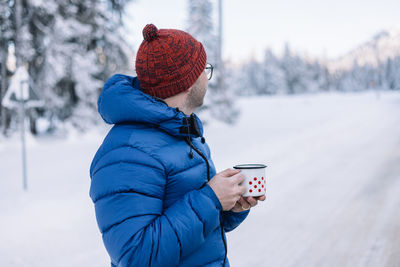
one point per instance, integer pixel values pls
(319, 28)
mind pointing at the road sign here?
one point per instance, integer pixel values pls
(21, 94)
(21, 91)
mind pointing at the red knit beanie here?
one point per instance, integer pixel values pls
(168, 61)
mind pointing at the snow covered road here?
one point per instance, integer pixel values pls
(333, 187)
(334, 183)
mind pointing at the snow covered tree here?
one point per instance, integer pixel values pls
(316, 77)
(273, 74)
(391, 73)
(81, 48)
(295, 72)
(219, 100)
(261, 77)
(201, 26)
(6, 34)
(282, 75)
(254, 77)
(71, 47)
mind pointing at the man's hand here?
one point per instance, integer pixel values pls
(226, 186)
(247, 203)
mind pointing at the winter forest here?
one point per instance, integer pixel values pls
(326, 125)
(69, 49)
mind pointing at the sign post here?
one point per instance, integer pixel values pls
(21, 94)
(24, 90)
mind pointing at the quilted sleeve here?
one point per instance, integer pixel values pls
(128, 192)
(232, 219)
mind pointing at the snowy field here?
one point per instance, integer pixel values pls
(333, 187)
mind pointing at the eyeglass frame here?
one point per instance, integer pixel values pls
(209, 67)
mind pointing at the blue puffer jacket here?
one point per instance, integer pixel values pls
(149, 184)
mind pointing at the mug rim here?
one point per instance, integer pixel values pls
(250, 166)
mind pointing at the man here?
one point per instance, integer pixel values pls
(158, 199)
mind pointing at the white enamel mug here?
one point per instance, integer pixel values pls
(255, 180)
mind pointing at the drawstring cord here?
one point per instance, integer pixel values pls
(188, 139)
(191, 121)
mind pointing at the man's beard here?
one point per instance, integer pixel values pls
(195, 97)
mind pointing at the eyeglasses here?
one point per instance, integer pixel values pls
(209, 70)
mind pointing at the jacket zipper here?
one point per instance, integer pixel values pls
(188, 141)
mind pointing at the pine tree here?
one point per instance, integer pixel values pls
(273, 73)
(392, 70)
(6, 34)
(71, 47)
(218, 102)
(295, 72)
(201, 26)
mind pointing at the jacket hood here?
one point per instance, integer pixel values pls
(122, 101)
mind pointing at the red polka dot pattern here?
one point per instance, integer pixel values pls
(257, 181)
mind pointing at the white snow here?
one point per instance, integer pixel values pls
(333, 186)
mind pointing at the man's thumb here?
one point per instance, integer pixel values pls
(229, 172)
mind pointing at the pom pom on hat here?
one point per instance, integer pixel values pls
(150, 32)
